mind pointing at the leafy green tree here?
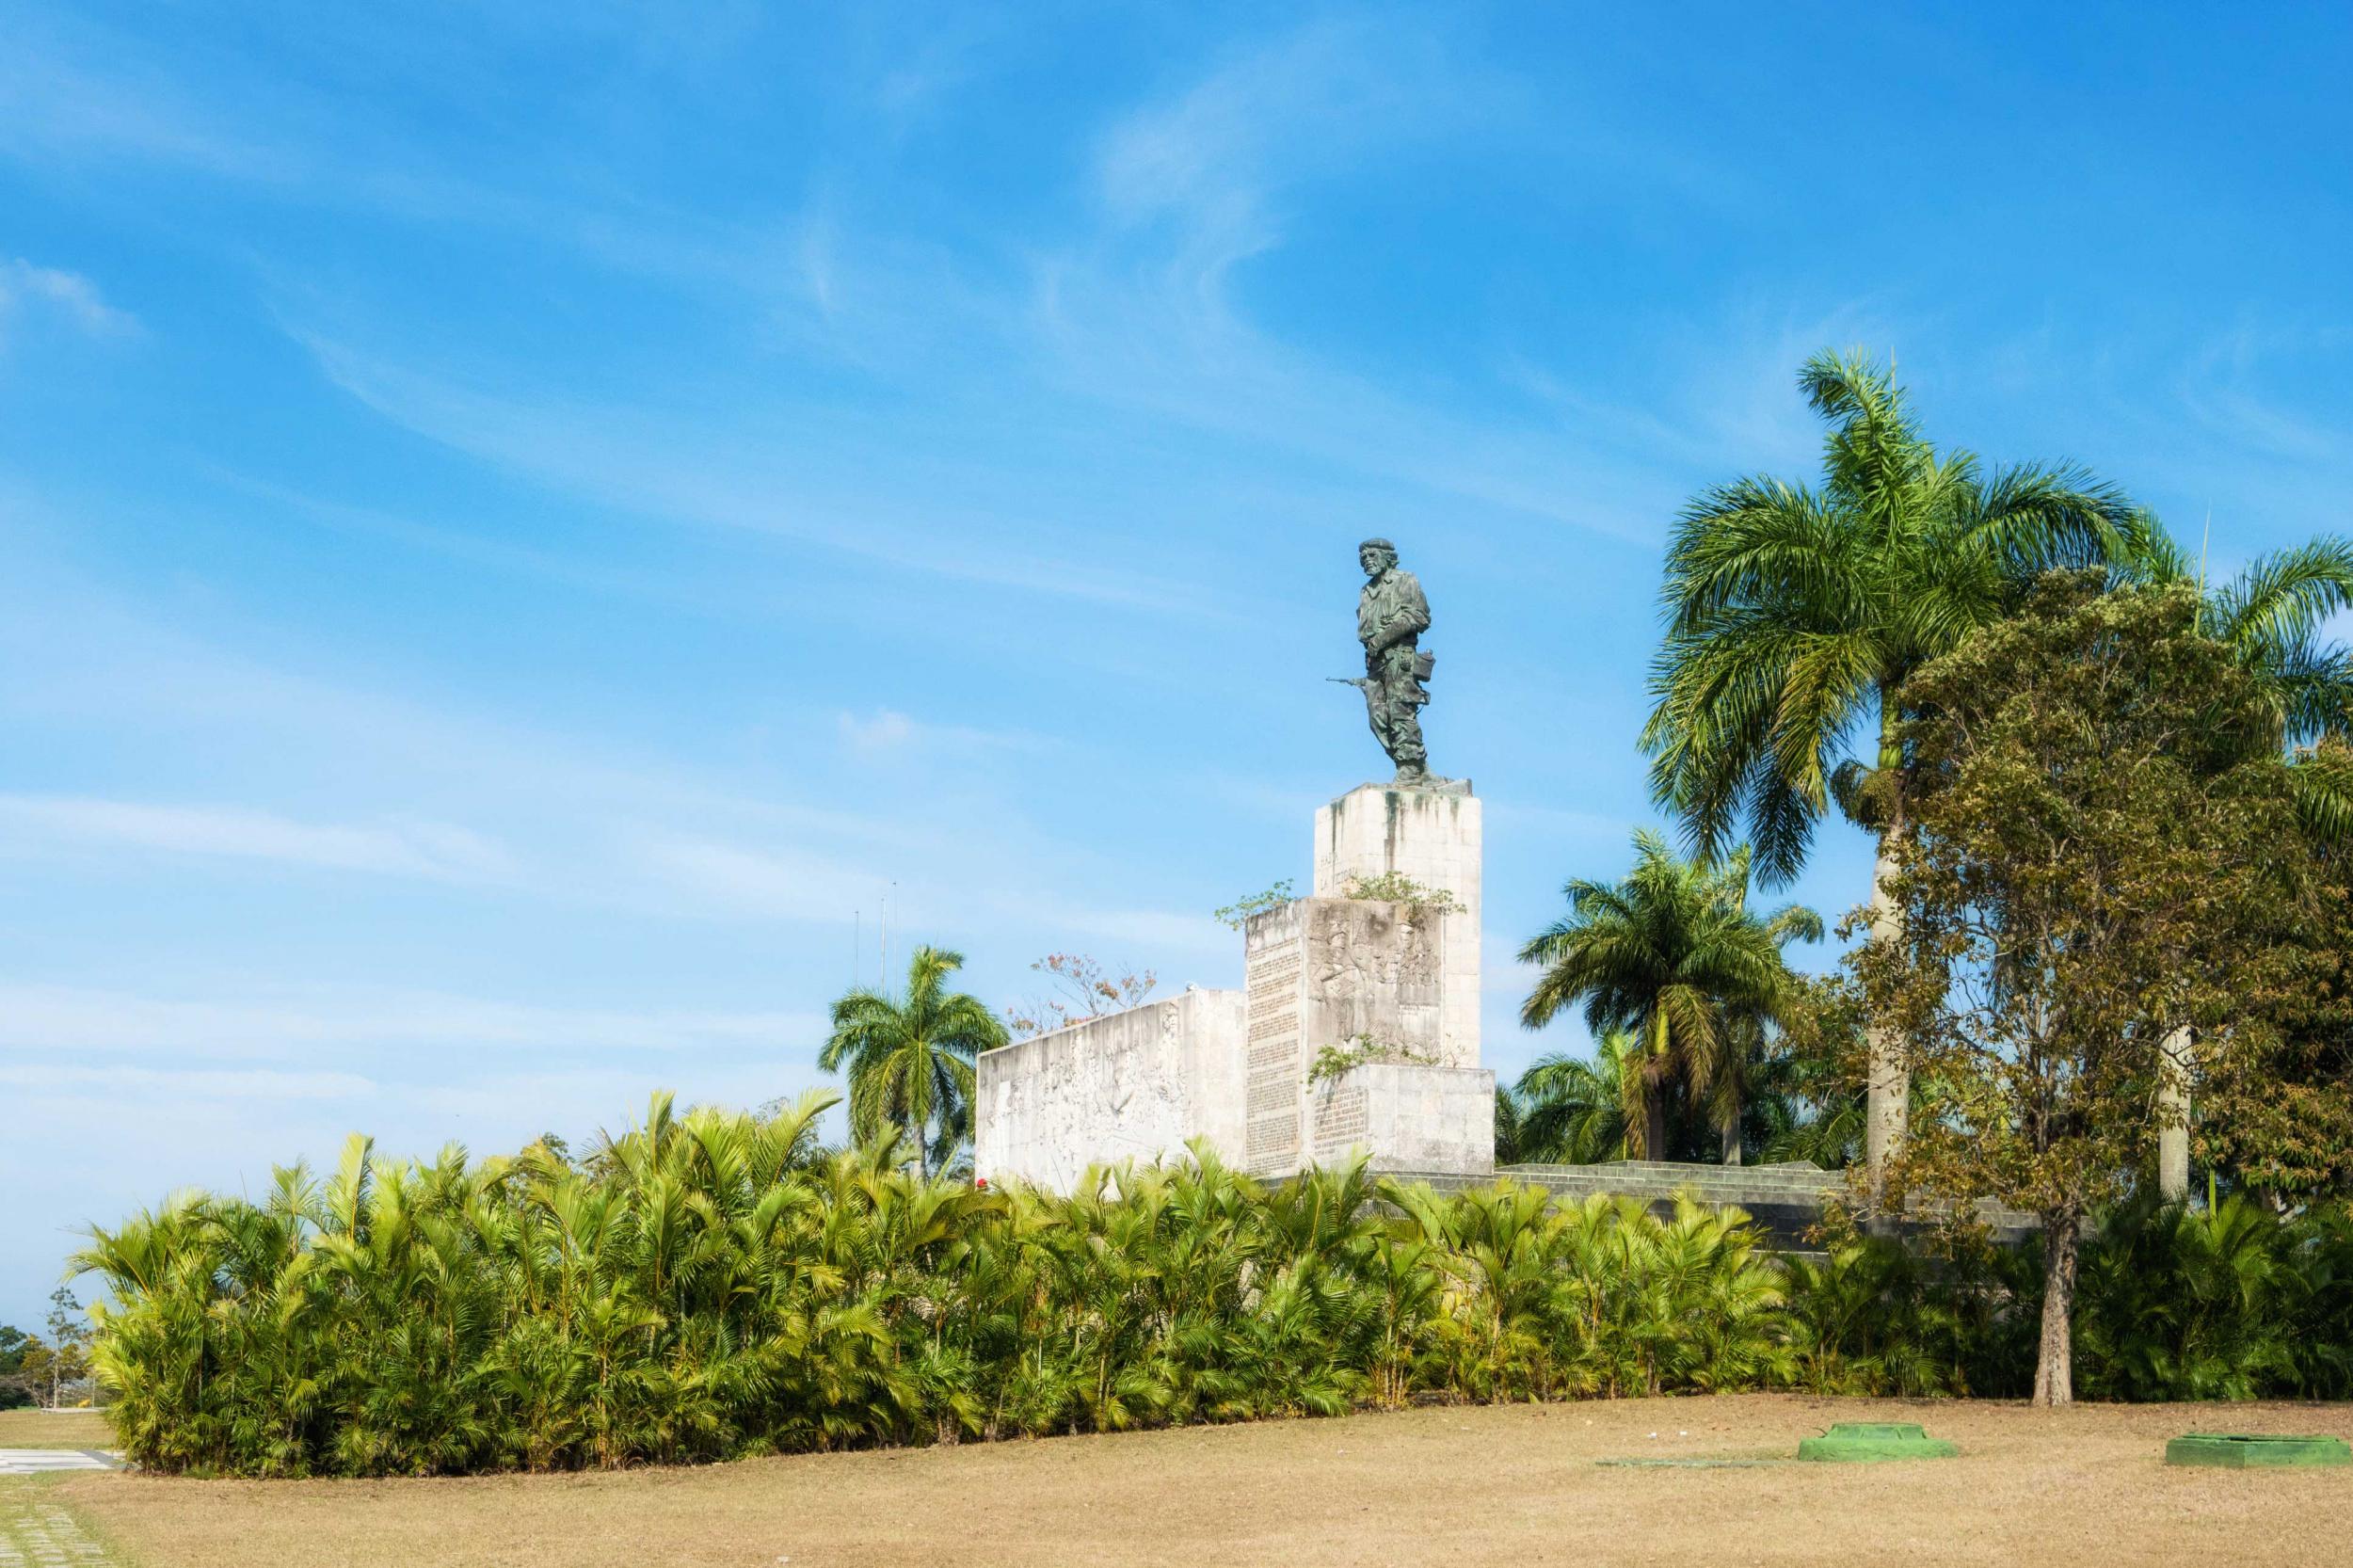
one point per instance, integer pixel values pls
(1805, 1104)
(2276, 1113)
(1795, 613)
(1674, 956)
(14, 1343)
(2273, 618)
(65, 1358)
(910, 1057)
(2102, 856)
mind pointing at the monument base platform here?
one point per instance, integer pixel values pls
(1405, 1116)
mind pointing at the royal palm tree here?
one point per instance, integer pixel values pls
(2271, 618)
(1674, 956)
(1794, 613)
(1567, 1110)
(910, 1057)
(1804, 1109)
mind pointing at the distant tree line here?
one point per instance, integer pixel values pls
(47, 1371)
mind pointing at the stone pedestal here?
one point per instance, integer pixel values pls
(1361, 1013)
(1353, 976)
(1407, 1118)
(1433, 837)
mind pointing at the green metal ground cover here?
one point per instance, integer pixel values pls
(2245, 1450)
(1874, 1440)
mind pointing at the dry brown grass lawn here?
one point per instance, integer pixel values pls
(1455, 1487)
(64, 1429)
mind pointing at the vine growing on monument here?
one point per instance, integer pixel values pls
(1244, 910)
(1335, 1062)
(1396, 887)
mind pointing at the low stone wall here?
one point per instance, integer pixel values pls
(1786, 1201)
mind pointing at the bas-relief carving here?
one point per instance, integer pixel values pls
(1373, 974)
(1097, 1092)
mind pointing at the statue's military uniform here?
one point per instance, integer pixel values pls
(1391, 615)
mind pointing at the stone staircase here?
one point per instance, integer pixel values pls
(1786, 1201)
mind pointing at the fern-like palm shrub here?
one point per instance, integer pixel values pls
(714, 1285)
(2228, 1302)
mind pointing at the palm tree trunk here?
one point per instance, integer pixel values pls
(2173, 1120)
(1646, 1110)
(1729, 1134)
(1889, 1087)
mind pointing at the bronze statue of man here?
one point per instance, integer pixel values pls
(1391, 615)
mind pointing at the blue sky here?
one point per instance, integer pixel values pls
(520, 524)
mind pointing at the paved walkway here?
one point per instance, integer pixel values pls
(38, 1533)
(26, 1462)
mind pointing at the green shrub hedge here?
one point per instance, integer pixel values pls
(712, 1286)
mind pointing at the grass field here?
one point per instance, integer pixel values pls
(66, 1429)
(39, 1530)
(1517, 1485)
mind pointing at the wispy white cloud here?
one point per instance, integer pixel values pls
(72, 654)
(55, 1021)
(184, 1085)
(1212, 158)
(1171, 932)
(69, 295)
(788, 883)
(2223, 389)
(884, 730)
(806, 473)
(406, 848)
(1118, 325)
(57, 102)
(773, 882)
(887, 731)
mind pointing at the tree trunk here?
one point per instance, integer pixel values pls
(2173, 1119)
(1729, 1135)
(2055, 1363)
(1654, 1125)
(1889, 1084)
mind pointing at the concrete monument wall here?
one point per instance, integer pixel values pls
(1348, 975)
(1136, 1085)
(1408, 1117)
